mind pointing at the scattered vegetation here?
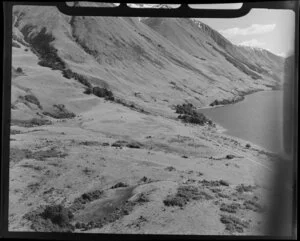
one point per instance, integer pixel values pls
(130, 105)
(58, 215)
(54, 218)
(234, 224)
(142, 198)
(230, 208)
(186, 194)
(244, 188)
(60, 112)
(42, 46)
(214, 183)
(89, 143)
(31, 122)
(253, 205)
(170, 169)
(19, 70)
(16, 154)
(189, 114)
(43, 155)
(248, 146)
(15, 132)
(103, 93)
(85, 198)
(119, 184)
(32, 99)
(129, 144)
(230, 156)
(69, 74)
(227, 102)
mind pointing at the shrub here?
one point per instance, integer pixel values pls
(230, 208)
(88, 91)
(19, 70)
(248, 145)
(244, 188)
(189, 114)
(60, 112)
(234, 224)
(102, 92)
(119, 184)
(32, 99)
(58, 215)
(185, 194)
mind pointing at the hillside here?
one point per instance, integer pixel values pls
(150, 62)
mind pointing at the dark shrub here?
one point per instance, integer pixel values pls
(119, 184)
(69, 74)
(248, 145)
(234, 224)
(19, 70)
(60, 112)
(229, 156)
(102, 92)
(186, 194)
(32, 99)
(189, 114)
(88, 91)
(58, 215)
(244, 188)
(42, 45)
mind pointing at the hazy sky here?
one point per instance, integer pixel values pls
(269, 29)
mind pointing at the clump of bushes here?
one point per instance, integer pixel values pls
(189, 114)
(88, 91)
(186, 194)
(69, 74)
(230, 208)
(85, 198)
(58, 215)
(19, 70)
(129, 144)
(32, 99)
(253, 205)
(103, 93)
(31, 123)
(119, 184)
(244, 188)
(234, 224)
(60, 112)
(227, 102)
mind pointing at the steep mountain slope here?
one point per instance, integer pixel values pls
(155, 64)
(199, 39)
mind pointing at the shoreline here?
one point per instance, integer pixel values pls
(221, 129)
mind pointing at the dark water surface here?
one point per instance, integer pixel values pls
(258, 118)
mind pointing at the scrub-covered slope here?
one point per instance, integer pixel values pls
(154, 63)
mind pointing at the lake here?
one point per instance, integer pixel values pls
(258, 119)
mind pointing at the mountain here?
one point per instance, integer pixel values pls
(154, 63)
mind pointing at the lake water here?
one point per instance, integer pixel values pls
(258, 119)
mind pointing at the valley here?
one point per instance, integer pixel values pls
(104, 133)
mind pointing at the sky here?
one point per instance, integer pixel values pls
(264, 28)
